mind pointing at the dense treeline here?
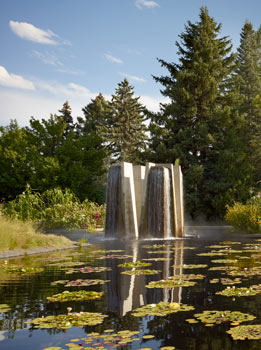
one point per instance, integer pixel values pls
(211, 126)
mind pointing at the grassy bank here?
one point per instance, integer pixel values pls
(15, 234)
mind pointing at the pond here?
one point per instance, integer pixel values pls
(156, 301)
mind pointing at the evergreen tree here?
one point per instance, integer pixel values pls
(94, 116)
(249, 80)
(66, 115)
(125, 131)
(199, 126)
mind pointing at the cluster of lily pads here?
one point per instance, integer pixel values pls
(240, 292)
(75, 296)
(78, 319)
(170, 284)
(4, 308)
(107, 340)
(161, 309)
(134, 264)
(79, 282)
(139, 272)
(19, 270)
(209, 318)
(88, 269)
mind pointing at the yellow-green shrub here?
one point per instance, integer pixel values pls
(246, 216)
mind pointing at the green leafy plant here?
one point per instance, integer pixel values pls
(75, 296)
(246, 216)
(211, 317)
(55, 208)
(161, 309)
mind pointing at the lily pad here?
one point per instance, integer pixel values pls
(218, 317)
(134, 264)
(67, 321)
(251, 332)
(191, 266)
(170, 284)
(187, 277)
(156, 259)
(161, 309)
(88, 269)
(85, 283)
(75, 296)
(4, 308)
(20, 270)
(139, 272)
(238, 292)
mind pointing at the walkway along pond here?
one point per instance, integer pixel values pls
(202, 292)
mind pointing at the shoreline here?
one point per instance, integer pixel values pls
(8, 254)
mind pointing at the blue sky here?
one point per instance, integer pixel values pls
(58, 50)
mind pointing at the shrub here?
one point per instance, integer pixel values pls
(246, 216)
(55, 208)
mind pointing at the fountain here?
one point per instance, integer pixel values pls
(144, 201)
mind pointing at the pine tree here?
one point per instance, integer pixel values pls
(125, 131)
(249, 80)
(195, 126)
(66, 115)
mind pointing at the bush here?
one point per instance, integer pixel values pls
(55, 208)
(246, 216)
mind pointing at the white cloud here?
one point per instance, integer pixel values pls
(113, 59)
(153, 103)
(132, 77)
(146, 3)
(29, 32)
(48, 58)
(15, 81)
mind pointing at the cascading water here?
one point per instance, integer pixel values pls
(160, 203)
(114, 219)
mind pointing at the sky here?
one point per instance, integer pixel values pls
(52, 51)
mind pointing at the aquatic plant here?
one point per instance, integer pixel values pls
(239, 292)
(20, 270)
(251, 332)
(67, 321)
(140, 272)
(75, 296)
(88, 269)
(170, 284)
(79, 282)
(211, 317)
(4, 308)
(191, 266)
(161, 309)
(134, 264)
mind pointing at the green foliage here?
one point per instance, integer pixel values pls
(75, 296)
(161, 309)
(124, 130)
(67, 321)
(246, 216)
(201, 126)
(55, 208)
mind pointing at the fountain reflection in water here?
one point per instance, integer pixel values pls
(160, 203)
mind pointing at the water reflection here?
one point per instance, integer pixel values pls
(128, 292)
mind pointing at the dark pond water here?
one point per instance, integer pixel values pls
(26, 294)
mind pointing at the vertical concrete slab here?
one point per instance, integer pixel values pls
(178, 202)
(139, 179)
(143, 227)
(129, 201)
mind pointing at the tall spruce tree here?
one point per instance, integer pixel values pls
(66, 116)
(249, 80)
(199, 126)
(125, 131)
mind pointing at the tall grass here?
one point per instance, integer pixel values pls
(55, 208)
(15, 234)
(246, 216)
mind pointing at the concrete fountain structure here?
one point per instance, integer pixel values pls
(144, 201)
